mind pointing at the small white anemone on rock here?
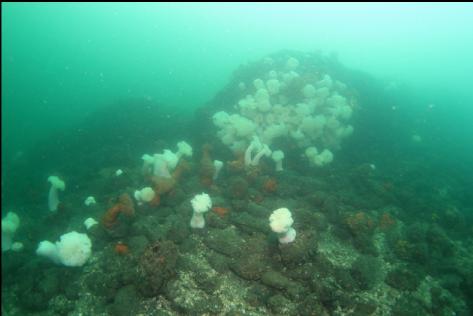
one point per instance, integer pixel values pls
(218, 165)
(183, 149)
(53, 199)
(17, 246)
(201, 203)
(144, 195)
(90, 200)
(281, 222)
(89, 222)
(278, 156)
(10, 224)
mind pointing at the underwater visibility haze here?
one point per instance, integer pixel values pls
(237, 159)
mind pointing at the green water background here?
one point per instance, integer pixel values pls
(62, 61)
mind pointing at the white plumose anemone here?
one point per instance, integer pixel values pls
(218, 165)
(161, 166)
(89, 222)
(17, 246)
(265, 151)
(145, 195)
(53, 199)
(73, 249)
(281, 222)
(322, 159)
(148, 163)
(278, 156)
(10, 224)
(201, 203)
(274, 109)
(90, 200)
(49, 250)
(183, 149)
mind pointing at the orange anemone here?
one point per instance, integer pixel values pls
(121, 248)
(221, 211)
(207, 168)
(270, 185)
(124, 205)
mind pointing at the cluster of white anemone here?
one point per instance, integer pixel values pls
(163, 164)
(316, 116)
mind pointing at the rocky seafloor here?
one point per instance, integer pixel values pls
(367, 244)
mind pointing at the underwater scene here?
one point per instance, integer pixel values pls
(237, 159)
